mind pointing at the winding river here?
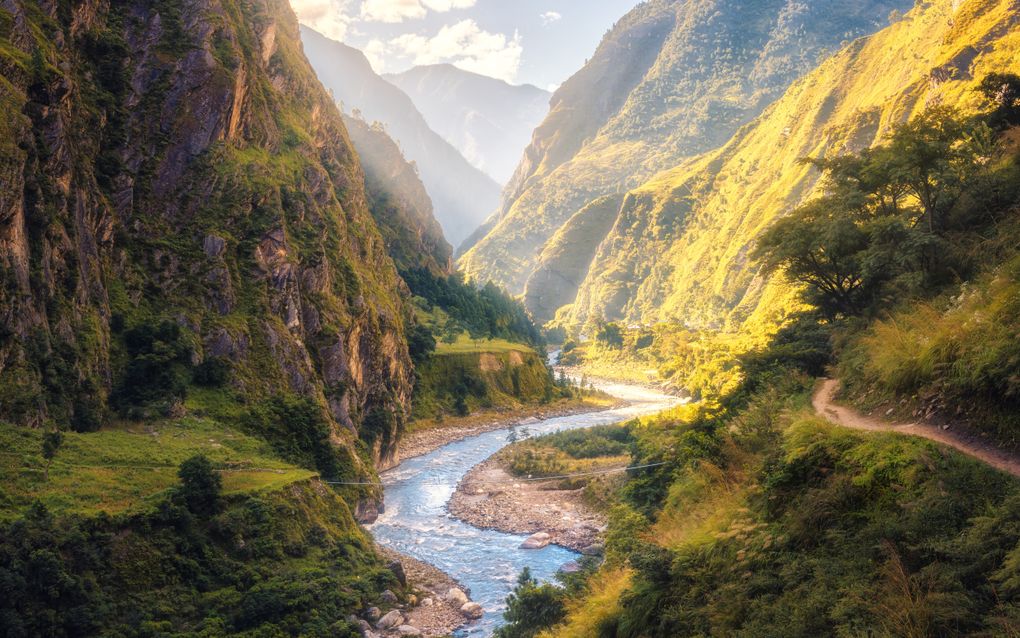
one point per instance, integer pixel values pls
(486, 562)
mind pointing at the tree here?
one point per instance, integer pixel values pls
(531, 608)
(200, 485)
(610, 335)
(1002, 90)
(52, 441)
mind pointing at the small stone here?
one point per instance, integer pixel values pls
(390, 620)
(456, 596)
(473, 611)
(427, 602)
(388, 597)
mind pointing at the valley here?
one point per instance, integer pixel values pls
(717, 336)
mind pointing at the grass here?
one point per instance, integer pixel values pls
(585, 615)
(466, 345)
(128, 466)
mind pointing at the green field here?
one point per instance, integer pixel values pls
(127, 466)
(466, 345)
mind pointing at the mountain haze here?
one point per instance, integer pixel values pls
(488, 120)
(462, 195)
(672, 79)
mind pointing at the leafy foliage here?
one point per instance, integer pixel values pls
(531, 607)
(200, 485)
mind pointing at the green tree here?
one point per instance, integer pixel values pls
(200, 485)
(531, 608)
(610, 335)
(1002, 90)
(52, 441)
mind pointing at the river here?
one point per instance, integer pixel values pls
(486, 562)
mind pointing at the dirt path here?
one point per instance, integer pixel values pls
(970, 445)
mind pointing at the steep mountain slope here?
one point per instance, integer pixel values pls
(182, 204)
(678, 250)
(489, 121)
(672, 79)
(398, 201)
(463, 196)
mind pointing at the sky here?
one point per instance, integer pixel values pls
(540, 42)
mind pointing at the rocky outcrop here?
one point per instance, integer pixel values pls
(180, 161)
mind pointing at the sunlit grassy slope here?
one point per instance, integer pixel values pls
(126, 466)
(679, 248)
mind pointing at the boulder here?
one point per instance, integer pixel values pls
(538, 540)
(408, 630)
(390, 620)
(388, 597)
(373, 614)
(570, 567)
(426, 602)
(456, 596)
(398, 570)
(473, 611)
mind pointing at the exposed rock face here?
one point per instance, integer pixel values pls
(180, 161)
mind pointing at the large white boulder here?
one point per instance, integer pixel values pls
(538, 540)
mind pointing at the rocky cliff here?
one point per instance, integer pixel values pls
(180, 189)
(674, 78)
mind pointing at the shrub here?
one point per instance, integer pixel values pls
(200, 485)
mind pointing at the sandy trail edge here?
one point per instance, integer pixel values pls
(972, 446)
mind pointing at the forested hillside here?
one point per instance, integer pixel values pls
(672, 79)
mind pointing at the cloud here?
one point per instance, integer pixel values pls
(393, 11)
(328, 17)
(463, 44)
(549, 17)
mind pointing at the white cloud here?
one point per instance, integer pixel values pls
(443, 6)
(391, 10)
(328, 17)
(465, 45)
(550, 16)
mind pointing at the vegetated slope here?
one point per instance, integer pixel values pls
(679, 248)
(398, 201)
(463, 196)
(672, 79)
(182, 205)
(488, 120)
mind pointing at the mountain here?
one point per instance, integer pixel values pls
(399, 203)
(463, 196)
(672, 79)
(678, 248)
(182, 205)
(488, 120)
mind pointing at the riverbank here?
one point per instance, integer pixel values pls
(426, 437)
(433, 611)
(489, 497)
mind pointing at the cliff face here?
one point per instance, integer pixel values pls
(177, 161)
(674, 78)
(678, 250)
(463, 196)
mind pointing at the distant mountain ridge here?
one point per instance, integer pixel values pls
(462, 195)
(488, 120)
(672, 79)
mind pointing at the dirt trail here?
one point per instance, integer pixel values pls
(970, 445)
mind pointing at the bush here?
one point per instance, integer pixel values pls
(531, 608)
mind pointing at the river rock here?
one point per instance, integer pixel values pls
(408, 630)
(373, 614)
(473, 611)
(456, 596)
(388, 597)
(596, 549)
(390, 620)
(426, 602)
(538, 540)
(398, 570)
(570, 567)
